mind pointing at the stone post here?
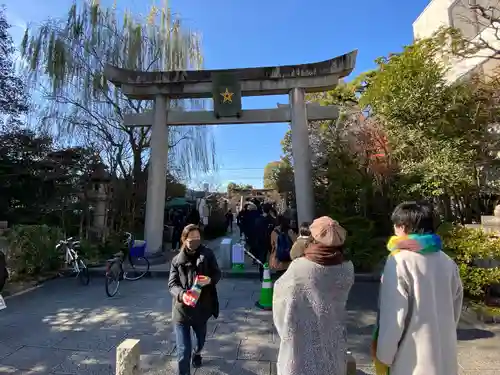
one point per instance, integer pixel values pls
(128, 356)
(301, 153)
(100, 211)
(157, 180)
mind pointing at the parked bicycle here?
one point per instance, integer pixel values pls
(72, 259)
(128, 264)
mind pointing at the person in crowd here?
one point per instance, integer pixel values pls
(178, 222)
(294, 226)
(420, 299)
(264, 227)
(309, 304)
(229, 220)
(274, 215)
(194, 259)
(193, 216)
(302, 242)
(250, 228)
(240, 219)
(282, 239)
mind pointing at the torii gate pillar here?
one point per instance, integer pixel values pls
(157, 176)
(301, 152)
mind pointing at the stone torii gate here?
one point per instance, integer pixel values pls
(227, 87)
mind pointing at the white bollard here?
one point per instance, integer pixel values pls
(128, 355)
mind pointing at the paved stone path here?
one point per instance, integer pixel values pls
(65, 328)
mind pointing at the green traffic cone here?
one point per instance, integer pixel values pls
(265, 301)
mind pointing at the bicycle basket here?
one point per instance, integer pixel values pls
(138, 249)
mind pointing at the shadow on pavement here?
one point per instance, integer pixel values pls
(66, 328)
(361, 317)
(473, 334)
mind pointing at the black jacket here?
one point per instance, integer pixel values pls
(264, 226)
(193, 217)
(183, 271)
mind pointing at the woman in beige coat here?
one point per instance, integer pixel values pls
(283, 226)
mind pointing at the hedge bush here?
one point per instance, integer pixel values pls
(363, 248)
(466, 246)
(32, 250)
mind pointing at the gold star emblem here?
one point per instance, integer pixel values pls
(227, 97)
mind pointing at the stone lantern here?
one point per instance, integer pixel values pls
(99, 195)
(496, 212)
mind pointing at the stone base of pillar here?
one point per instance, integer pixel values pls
(152, 253)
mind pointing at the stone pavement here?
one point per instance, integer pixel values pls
(65, 328)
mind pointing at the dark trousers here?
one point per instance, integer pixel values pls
(176, 238)
(184, 344)
(229, 225)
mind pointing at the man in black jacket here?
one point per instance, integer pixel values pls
(193, 216)
(241, 220)
(194, 259)
(264, 226)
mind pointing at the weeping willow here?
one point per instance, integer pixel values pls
(66, 58)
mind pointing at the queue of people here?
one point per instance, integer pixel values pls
(420, 295)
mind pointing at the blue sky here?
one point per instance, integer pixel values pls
(238, 33)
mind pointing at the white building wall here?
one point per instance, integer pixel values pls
(436, 15)
(432, 18)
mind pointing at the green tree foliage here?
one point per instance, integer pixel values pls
(404, 132)
(439, 133)
(467, 247)
(175, 188)
(39, 182)
(283, 178)
(232, 186)
(13, 97)
(269, 171)
(66, 59)
(32, 251)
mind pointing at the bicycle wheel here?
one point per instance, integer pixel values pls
(112, 279)
(137, 268)
(84, 274)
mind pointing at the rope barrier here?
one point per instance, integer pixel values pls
(252, 256)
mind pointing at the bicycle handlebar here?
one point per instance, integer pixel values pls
(129, 237)
(66, 242)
